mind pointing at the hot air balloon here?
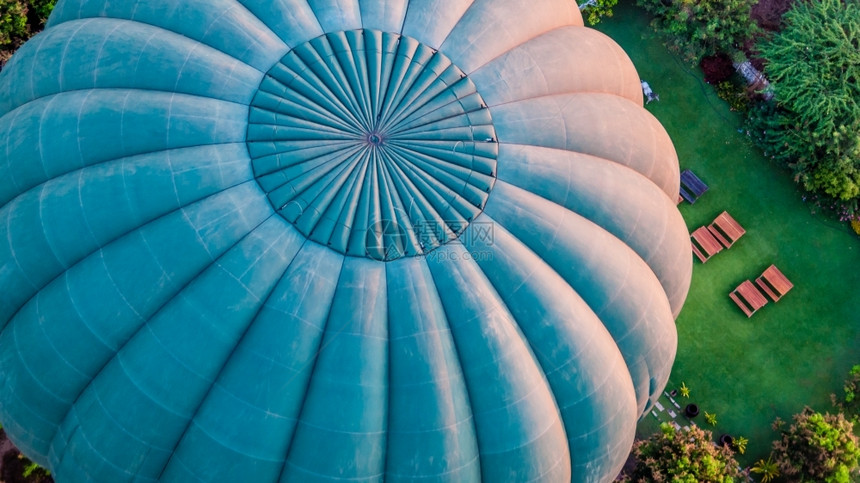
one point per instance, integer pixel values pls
(248, 240)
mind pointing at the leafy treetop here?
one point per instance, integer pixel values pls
(19, 20)
(818, 448)
(814, 126)
(683, 456)
(592, 10)
(850, 403)
(699, 28)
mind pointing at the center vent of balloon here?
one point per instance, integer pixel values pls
(372, 144)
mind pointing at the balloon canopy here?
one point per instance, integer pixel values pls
(254, 240)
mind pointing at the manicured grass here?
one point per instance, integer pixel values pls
(791, 353)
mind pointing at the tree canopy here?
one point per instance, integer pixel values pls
(814, 125)
(19, 20)
(683, 456)
(850, 402)
(592, 10)
(818, 447)
(13, 21)
(703, 27)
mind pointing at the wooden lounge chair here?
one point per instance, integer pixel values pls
(726, 229)
(699, 254)
(774, 283)
(704, 244)
(740, 303)
(748, 298)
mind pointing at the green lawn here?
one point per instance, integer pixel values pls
(791, 353)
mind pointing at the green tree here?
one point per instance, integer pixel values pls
(19, 20)
(13, 23)
(592, 10)
(698, 28)
(43, 9)
(684, 456)
(818, 448)
(813, 124)
(850, 403)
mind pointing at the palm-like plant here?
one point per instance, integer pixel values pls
(711, 418)
(741, 444)
(767, 469)
(685, 391)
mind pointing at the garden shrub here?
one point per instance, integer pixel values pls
(13, 23)
(687, 455)
(717, 68)
(849, 404)
(19, 21)
(41, 10)
(734, 94)
(698, 28)
(818, 447)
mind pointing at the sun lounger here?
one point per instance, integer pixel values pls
(704, 244)
(774, 283)
(692, 186)
(748, 298)
(726, 229)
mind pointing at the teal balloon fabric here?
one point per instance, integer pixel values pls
(315, 240)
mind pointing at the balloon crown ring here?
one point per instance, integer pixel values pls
(375, 139)
(358, 130)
